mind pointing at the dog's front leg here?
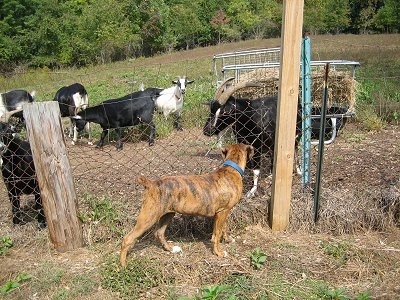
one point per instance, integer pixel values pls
(219, 228)
(160, 232)
(225, 236)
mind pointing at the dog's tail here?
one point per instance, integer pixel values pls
(144, 181)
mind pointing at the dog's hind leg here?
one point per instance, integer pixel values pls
(219, 230)
(162, 226)
(144, 222)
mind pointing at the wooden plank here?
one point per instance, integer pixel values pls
(287, 111)
(44, 130)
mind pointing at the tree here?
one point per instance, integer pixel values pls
(362, 15)
(314, 16)
(242, 16)
(388, 16)
(219, 21)
(337, 15)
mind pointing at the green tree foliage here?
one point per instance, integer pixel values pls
(388, 16)
(362, 14)
(57, 33)
(337, 15)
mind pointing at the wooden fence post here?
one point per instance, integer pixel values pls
(287, 110)
(44, 130)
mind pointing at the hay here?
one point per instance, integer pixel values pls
(341, 86)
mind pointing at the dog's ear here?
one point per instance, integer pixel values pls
(224, 152)
(250, 152)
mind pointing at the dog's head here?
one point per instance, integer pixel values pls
(239, 153)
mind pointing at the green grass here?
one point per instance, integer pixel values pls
(136, 278)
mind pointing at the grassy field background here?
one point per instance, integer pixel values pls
(343, 260)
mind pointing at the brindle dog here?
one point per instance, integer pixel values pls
(210, 195)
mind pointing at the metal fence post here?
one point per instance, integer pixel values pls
(306, 110)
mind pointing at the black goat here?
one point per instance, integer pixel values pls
(133, 109)
(253, 122)
(11, 103)
(71, 100)
(19, 173)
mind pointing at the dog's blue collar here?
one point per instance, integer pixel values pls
(234, 165)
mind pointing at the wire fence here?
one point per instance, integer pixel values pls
(105, 178)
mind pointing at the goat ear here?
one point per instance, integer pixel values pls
(174, 81)
(189, 81)
(224, 152)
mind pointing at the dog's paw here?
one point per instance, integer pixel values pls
(176, 249)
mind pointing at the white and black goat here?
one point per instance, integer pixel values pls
(171, 100)
(11, 103)
(71, 100)
(19, 173)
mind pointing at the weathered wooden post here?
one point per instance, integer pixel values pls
(287, 110)
(44, 130)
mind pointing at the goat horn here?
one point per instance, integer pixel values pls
(240, 85)
(222, 87)
(8, 114)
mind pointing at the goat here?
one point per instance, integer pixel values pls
(253, 122)
(11, 103)
(71, 100)
(170, 100)
(19, 173)
(133, 109)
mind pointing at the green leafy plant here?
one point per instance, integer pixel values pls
(338, 250)
(257, 258)
(332, 294)
(13, 284)
(364, 296)
(213, 292)
(6, 243)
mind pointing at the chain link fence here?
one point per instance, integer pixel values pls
(109, 197)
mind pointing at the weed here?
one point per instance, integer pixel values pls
(213, 292)
(356, 138)
(240, 285)
(332, 294)
(102, 218)
(6, 243)
(13, 284)
(364, 296)
(337, 250)
(137, 277)
(369, 118)
(257, 258)
(102, 209)
(49, 276)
